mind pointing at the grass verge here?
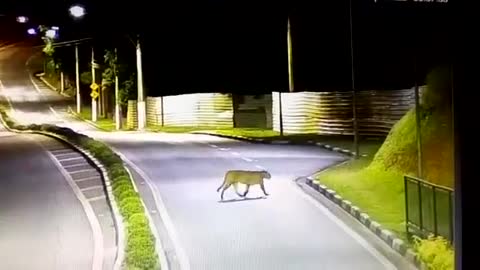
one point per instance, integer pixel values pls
(140, 242)
(367, 146)
(106, 124)
(378, 193)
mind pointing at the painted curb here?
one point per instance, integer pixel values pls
(254, 140)
(118, 221)
(387, 236)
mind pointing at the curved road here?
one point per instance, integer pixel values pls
(287, 230)
(42, 223)
(50, 218)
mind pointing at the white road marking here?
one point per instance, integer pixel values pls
(2, 87)
(131, 177)
(35, 85)
(377, 255)
(91, 188)
(235, 153)
(224, 149)
(247, 159)
(88, 179)
(97, 261)
(75, 165)
(54, 112)
(213, 145)
(67, 159)
(80, 171)
(64, 151)
(181, 255)
(101, 197)
(260, 167)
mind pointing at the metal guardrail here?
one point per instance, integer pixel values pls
(428, 209)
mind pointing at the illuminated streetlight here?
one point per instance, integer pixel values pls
(51, 33)
(56, 28)
(77, 11)
(22, 19)
(31, 31)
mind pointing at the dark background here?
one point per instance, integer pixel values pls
(241, 46)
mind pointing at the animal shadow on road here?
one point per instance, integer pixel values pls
(243, 199)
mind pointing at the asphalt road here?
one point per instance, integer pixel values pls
(53, 210)
(286, 230)
(42, 223)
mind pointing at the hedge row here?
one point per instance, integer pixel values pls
(140, 245)
(435, 252)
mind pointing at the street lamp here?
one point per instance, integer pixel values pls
(77, 11)
(32, 31)
(22, 19)
(51, 33)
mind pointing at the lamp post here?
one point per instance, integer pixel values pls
(118, 117)
(94, 99)
(141, 109)
(77, 12)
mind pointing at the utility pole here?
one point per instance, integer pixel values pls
(77, 80)
(290, 75)
(290, 64)
(62, 83)
(354, 92)
(141, 109)
(118, 117)
(94, 99)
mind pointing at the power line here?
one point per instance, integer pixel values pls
(69, 42)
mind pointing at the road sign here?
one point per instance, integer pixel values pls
(94, 86)
(94, 94)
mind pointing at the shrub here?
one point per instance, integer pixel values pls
(137, 220)
(130, 206)
(141, 259)
(21, 127)
(127, 193)
(117, 171)
(33, 127)
(122, 180)
(435, 252)
(117, 190)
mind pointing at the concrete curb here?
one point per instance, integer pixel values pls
(51, 86)
(253, 140)
(119, 226)
(387, 236)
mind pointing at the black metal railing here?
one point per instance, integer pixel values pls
(428, 209)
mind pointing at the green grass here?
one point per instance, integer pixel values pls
(346, 142)
(106, 124)
(375, 191)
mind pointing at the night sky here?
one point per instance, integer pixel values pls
(241, 46)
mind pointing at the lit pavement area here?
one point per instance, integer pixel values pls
(53, 210)
(286, 230)
(42, 223)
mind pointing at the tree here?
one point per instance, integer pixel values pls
(127, 80)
